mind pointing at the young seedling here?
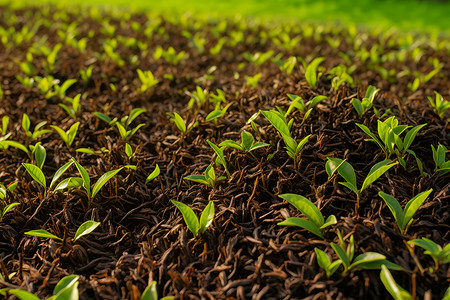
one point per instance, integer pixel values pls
(252, 81)
(404, 217)
(441, 165)
(440, 105)
(209, 177)
(67, 136)
(147, 80)
(348, 173)
(389, 138)
(151, 293)
(278, 121)
(124, 123)
(7, 208)
(192, 222)
(326, 263)
(86, 75)
(439, 255)
(367, 260)
(75, 102)
(362, 106)
(153, 174)
(220, 159)
(217, 113)
(316, 223)
(396, 291)
(311, 74)
(180, 123)
(84, 229)
(4, 190)
(66, 288)
(32, 135)
(286, 66)
(258, 58)
(247, 143)
(304, 108)
(85, 181)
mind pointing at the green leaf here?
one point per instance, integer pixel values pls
(331, 220)
(26, 122)
(7, 208)
(189, 216)
(22, 295)
(6, 143)
(311, 71)
(258, 145)
(213, 115)
(62, 133)
(247, 140)
(84, 176)
(373, 136)
(395, 209)
(103, 117)
(197, 178)
(376, 171)
(302, 223)
(178, 120)
(430, 246)
(134, 114)
(322, 259)
(103, 180)
(344, 169)
(66, 289)
(232, 144)
(413, 205)
(277, 121)
(306, 207)
(358, 107)
(410, 136)
(365, 258)
(36, 173)
(72, 133)
(42, 233)
(153, 174)
(40, 154)
(128, 150)
(86, 150)
(60, 172)
(150, 292)
(220, 155)
(396, 291)
(68, 183)
(418, 162)
(85, 228)
(207, 217)
(342, 255)
(301, 144)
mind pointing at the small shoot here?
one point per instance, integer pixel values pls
(75, 103)
(252, 81)
(151, 293)
(220, 159)
(217, 113)
(180, 123)
(5, 123)
(311, 74)
(439, 255)
(304, 108)
(396, 291)
(348, 173)
(193, 223)
(147, 80)
(209, 177)
(37, 132)
(153, 174)
(441, 165)
(440, 105)
(362, 106)
(325, 262)
(247, 143)
(67, 136)
(316, 223)
(6, 209)
(84, 229)
(404, 217)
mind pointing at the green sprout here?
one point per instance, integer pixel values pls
(75, 106)
(440, 105)
(404, 217)
(192, 222)
(32, 135)
(316, 223)
(209, 177)
(217, 113)
(311, 74)
(180, 123)
(396, 291)
(304, 108)
(124, 123)
(441, 165)
(84, 229)
(247, 143)
(348, 173)
(439, 255)
(67, 136)
(153, 174)
(147, 80)
(252, 81)
(151, 293)
(220, 159)
(362, 106)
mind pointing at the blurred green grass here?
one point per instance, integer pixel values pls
(431, 16)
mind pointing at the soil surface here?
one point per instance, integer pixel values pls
(244, 254)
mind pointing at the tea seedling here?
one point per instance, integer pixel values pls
(86, 75)
(192, 222)
(258, 58)
(67, 136)
(311, 74)
(180, 123)
(247, 143)
(278, 121)
(326, 263)
(209, 177)
(217, 113)
(441, 165)
(439, 255)
(32, 135)
(124, 122)
(147, 80)
(404, 217)
(75, 103)
(7, 208)
(396, 291)
(288, 65)
(440, 105)
(220, 159)
(84, 229)
(304, 108)
(4, 128)
(4, 190)
(362, 106)
(348, 173)
(252, 81)
(316, 223)
(153, 174)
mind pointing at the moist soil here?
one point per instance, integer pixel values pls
(244, 254)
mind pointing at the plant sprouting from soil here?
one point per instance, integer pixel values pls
(209, 177)
(67, 136)
(311, 73)
(396, 291)
(37, 132)
(151, 293)
(404, 217)
(362, 106)
(220, 159)
(193, 223)
(84, 229)
(439, 255)
(439, 104)
(304, 108)
(247, 143)
(316, 223)
(441, 165)
(147, 80)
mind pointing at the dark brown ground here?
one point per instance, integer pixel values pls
(244, 254)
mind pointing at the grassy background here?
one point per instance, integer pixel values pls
(407, 15)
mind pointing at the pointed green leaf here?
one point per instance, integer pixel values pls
(207, 217)
(6, 143)
(134, 114)
(306, 207)
(60, 172)
(150, 292)
(277, 121)
(311, 71)
(232, 144)
(366, 257)
(197, 178)
(42, 233)
(410, 136)
(36, 173)
(178, 120)
(103, 117)
(341, 254)
(153, 174)
(376, 171)
(369, 133)
(301, 144)
(395, 209)
(85, 228)
(26, 122)
(61, 133)
(103, 180)
(68, 183)
(213, 115)
(40, 154)
(331, 220)
(358, 107)
(22, 294)
(84, 176)
(396, 291)
(7, 208)
(428, 245)
(413, 205)
(189, 216)
(128, 150)
(258, 145)
(66, 288)
(302, 223)
(247, 140)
